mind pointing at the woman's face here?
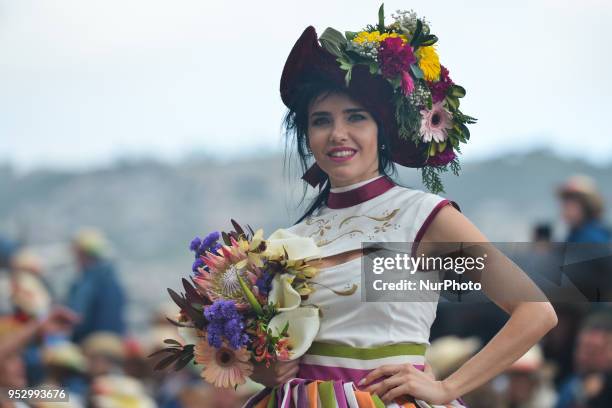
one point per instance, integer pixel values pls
(342, 136)
(572, 211)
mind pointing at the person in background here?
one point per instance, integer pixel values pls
(31, 299)
(542, 233)
(96, 294)
(65, 368)
(7, 249)
(105, 353)
(30, 294)
(582, 208)
(591, 384)
(529, 384)
(14, 336)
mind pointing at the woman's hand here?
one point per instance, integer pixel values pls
(404, 379)
(278, 372)
(60, 319)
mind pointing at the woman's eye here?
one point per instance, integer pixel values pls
(355, 117)
(320, 121)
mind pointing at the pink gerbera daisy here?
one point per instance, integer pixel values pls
(223, 367)
(435, 122)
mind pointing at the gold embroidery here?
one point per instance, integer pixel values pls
(312, 220)
(382, 218)
(382, 228)
(324, 242)
(323, 225)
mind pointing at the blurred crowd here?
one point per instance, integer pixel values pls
(81, 342)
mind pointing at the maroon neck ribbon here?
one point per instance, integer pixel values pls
(360, 194)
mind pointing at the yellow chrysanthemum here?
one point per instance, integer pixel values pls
(375, 36)
(429, 62)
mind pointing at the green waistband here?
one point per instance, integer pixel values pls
(370, 353)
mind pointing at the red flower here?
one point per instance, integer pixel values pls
(442, 158)
(439, 88)
(395, 57)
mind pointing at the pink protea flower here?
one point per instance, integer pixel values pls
(435, 122)
(233, 261)
(395, 57)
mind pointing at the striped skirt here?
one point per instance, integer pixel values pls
(329, 373)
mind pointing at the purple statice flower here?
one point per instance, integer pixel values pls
(198, 263)
(215, 248)
(195, 244)
(264, 283)
(209, 242)
(225, 323)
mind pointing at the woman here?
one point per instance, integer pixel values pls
(582, 207)
(373, 352)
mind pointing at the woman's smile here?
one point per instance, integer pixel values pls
(341, 154)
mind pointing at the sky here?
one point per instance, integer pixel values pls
(83, 82)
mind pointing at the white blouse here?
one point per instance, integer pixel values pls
(398, 215)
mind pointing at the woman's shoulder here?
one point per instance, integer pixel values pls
(416, 201)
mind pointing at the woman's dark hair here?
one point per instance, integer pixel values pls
(296, 131)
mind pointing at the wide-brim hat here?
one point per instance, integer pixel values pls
(309, 61)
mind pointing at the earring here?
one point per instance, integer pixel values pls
(382, 147)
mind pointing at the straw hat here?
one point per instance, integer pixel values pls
(92, 242)
(105, 344)
(448, 353)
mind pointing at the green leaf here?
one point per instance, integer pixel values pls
(465, 131)
(428, 40)
(350, 35)
(395, 82)
(453, 102)
(373, 68)
(381, 18)
(333, 41)
(415, 42)
(250, 297)
(457, 91)
(431, 178)
(416, 71)
(459, 133)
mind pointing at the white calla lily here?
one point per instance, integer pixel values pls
(189, 335)
(303, 328)
(297, 247)
(282, 294)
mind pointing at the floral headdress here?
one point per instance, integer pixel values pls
(428, 125)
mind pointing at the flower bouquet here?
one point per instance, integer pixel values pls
(244, 304)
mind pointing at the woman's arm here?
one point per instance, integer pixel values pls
(531, 317)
